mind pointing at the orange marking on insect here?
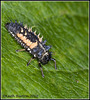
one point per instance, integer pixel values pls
(29, 43)
(25, 41)
(23, 38)
(33, 45)
(19, 35)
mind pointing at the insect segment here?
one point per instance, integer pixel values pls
(31, 43)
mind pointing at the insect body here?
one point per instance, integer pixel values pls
(31, 43)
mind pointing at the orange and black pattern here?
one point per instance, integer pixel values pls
(31, 42)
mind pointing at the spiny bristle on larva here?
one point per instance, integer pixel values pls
(40, 39)
(25, 33)
(35, 32)
(21, 29)
(25, 26)
(29, 29)
(38, 35)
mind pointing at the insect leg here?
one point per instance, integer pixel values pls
(20, 50)
(30, 61)
(54, 62)
(41, 69)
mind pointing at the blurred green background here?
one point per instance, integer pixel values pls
(65, 26)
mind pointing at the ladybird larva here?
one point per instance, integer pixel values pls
(31, 43)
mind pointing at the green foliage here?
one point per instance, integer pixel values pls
(65, 26)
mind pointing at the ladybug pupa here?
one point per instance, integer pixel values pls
(31, 42)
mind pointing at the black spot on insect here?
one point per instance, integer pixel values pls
(31, 43)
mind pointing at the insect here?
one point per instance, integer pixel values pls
(31, 42)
